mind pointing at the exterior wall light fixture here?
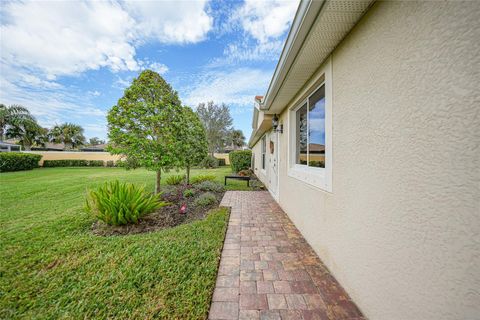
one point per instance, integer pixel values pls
(275, 125)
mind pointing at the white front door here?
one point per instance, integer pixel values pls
(272, 150)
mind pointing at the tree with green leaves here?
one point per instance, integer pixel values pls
(95, 141)
(70, 134)
(28, 134)
(237, 139)
(145, 124)
(11, 116)
(217, 122)
(193, 140)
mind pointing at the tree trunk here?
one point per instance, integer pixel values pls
(157, 185)
(27, 147)
(1, 134)
(188, 175)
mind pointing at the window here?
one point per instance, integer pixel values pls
(264, 151)
(301, 136)
(310, 138)
(310, 133)
(316, 128)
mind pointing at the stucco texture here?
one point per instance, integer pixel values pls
(105, 156)
(400, 231)
(72, 155)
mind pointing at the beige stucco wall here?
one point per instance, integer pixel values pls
(70, 155)
(401, 229)
(223, 156)
(105, 156)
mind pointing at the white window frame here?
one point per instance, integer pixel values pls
(318, 177)
(263, 153)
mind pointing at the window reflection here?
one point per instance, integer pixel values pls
(301, 152)
(316, 126)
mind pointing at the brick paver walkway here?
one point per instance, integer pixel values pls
(268, 271)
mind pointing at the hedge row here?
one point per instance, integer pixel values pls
(16, 161)
(73, 163)
(240, 160)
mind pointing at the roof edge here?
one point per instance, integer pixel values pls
(304, 19)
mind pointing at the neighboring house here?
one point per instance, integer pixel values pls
(378, 162)
(50, 146)
(96, 148)
(9, 147)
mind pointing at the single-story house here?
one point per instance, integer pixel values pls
(9, 147)
(369, 139)
(96, 148)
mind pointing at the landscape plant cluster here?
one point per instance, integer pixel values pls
(240, 160)
(52, 267)
(121, 203)
(73, 163)
(16, 161)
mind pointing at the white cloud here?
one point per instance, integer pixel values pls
(233, 87)
(95, 93)
(158, 67)
(51, 39)
(171, 21)
(265, 24)
(52, 105)
(266, 20)
(244, 51)
(66, 38)
(122, 83)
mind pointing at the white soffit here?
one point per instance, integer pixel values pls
(334, 21)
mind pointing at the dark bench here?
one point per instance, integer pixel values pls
(238, 178)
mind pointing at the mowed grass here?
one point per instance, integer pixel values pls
(52, 267)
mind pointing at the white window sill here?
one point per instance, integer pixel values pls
(309, 175)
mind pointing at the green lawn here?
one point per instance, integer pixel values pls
(52, 267)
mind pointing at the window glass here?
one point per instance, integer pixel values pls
(301, 118)
(316, 128)
(264, 150)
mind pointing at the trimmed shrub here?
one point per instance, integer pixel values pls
(128, 163)
(205, 199)
(119, 203)
(221, 162)
(210, 186)
(65, 163)
(201, 178)
(95, 163)
(188, 193)
(17, 161)
(209, 162)
(174, 180)
(318, 163)
(240, 160)
(110, 163)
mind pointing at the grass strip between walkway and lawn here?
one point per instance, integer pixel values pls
(53, 267)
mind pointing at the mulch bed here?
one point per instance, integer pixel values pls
(166, 217)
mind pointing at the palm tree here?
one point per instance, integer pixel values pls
(95, 141)
(237, 138)
(28, 133)
(11, 116)
(69, 134)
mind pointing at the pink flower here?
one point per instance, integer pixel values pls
(183, 208)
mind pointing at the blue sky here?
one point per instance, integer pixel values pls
(71, 60)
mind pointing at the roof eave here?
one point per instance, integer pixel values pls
(304, 19)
